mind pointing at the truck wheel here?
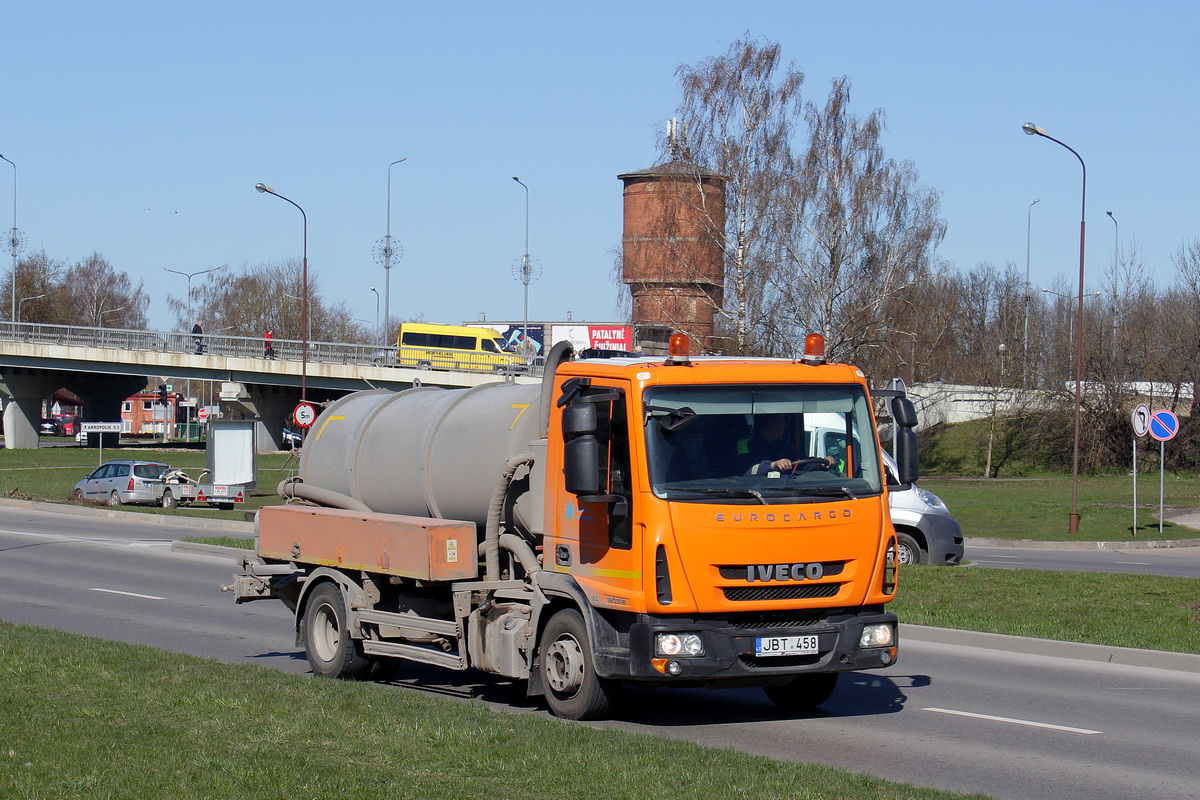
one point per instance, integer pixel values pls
(805, 692)
(332, 651)
(910, 551)
(114, 499)
(169, 501)
(573, 690)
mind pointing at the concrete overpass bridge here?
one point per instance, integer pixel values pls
(104, 366)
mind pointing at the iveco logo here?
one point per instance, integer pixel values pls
(784, 572)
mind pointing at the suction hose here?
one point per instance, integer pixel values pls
(491, 535)
(294, 487)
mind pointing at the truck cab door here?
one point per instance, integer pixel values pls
(596, 542)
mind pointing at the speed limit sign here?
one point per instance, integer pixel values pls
(305, 415)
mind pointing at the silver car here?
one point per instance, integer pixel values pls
(119, 482)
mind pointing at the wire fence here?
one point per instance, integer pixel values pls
(222, 346)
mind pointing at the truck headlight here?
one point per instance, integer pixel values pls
(881, 635)
(678, 644)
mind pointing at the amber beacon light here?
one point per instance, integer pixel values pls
(679, 349)
(814, 349)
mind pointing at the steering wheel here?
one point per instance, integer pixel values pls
(819, 461)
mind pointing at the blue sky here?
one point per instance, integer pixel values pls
(140, 129)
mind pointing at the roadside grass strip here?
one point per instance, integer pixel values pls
(1148, 612)
(88, 718)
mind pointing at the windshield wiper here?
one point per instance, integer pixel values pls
(725, 492)
(826, 491)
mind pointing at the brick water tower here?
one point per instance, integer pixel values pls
(673, 253)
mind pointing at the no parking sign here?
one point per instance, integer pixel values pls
(1164, 425)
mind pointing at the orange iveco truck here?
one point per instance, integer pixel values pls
(663, 521)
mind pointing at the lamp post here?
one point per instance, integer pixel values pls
(21, 304)
(189, 276)
(109, 311)
(388, 250)
(14, 242)
(262, 187)
(1073, 520)
(1028, 232)
(1070, 319)
(378, 338)
(1116, 265)
(525, 269)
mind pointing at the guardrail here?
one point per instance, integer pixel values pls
(223, 346)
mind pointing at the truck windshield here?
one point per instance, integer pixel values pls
(761, 444)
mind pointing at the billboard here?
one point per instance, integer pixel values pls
(597, 337)
(514, 339)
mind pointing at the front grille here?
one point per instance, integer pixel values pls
(778, 621)
(746, 594)
(738, 572)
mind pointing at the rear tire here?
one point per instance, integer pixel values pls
(805, 692)
(909, 551)
(114, 499)
(332, 651)
(573, 689)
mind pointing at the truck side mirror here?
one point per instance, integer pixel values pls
(907, 449)
(581, 449)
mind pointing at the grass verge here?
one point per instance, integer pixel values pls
(1038, 508)
(1149, 612)
(86, 718)
(50, 473)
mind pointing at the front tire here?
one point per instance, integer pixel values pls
(332, 651)
(573, 689)
(909, 551)
(804, 693)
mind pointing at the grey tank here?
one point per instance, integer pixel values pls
(430, 452)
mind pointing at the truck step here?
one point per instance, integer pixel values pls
(422, 655)
(410, 622)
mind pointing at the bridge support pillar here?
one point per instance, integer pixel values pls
(23, 393)
(274, 405)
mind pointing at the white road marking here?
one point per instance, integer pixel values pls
(1134, 563)
(999, 557)
(1026, 722)
(127, 594)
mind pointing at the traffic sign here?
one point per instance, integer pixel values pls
(202, 414)
(100, 427)
(305, 415)
(1164, 425)
(1141, 419)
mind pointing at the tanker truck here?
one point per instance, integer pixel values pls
(618, 523)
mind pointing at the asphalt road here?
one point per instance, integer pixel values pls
(1183, 562)
(963, 712)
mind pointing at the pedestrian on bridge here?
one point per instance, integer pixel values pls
(269, 348)
(198, 333)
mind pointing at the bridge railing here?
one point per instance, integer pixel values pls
(224, 346)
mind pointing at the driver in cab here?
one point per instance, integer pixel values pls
(767, 450)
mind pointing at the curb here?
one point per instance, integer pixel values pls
(1033, 544)
(198, 523)
(1027, 645)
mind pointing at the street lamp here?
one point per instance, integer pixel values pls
(386, 249)
(1070, 319)
(189, 276)
(262, 187)
(108, 311)
(21, 305)
(525, 268)
(1028, 231)
(377, 336)
(15, 243)
(1116, 265)
(1073, 520)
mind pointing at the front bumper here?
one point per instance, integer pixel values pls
(729, 648)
